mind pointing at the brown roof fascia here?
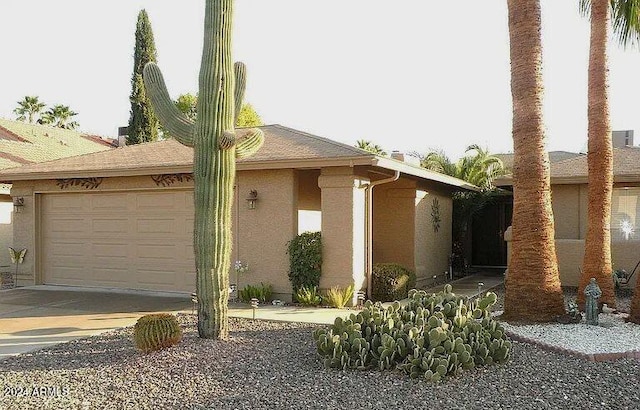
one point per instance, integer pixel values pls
(6, 134)
(180, 169)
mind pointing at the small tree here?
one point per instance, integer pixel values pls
(370, 147)
(59, 116)
(188, 105)
(248, 117)
(28, 108)
(477, 167)
(143, 124)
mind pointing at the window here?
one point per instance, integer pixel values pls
(625, 214)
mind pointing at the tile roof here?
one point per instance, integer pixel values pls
(626, 163)
(23, 143)
(283, 148)
(554, 156)
(626, 168)
(281, 144)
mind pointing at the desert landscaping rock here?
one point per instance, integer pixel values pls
(274, 365)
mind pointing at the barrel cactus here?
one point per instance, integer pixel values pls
(216, 148)
(431, 337)
(156, 332)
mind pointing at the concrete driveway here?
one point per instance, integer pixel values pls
(40, 316)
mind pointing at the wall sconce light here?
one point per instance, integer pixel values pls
(18, 203)
(252, 199)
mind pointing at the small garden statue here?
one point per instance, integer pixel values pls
(573, 315)
(593, 293)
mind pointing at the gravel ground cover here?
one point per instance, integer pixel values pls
(273, 365)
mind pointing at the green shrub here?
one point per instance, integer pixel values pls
(432, 336)
(391, 282)
(156, 331)
(261, 292)
(308, 296)
(339, 297)
(305, 260)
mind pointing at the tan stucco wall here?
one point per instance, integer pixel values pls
(262, 233)
(24, 234)
(309, 195)
(570, 217)
(566, 211)
(6, 235)
(570, 252)
(433, 248)
(404, 232)
(394, 210)
(343, 207)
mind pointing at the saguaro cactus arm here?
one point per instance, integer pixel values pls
(250, 143)
(228, 138)
(172, 119)
(240, 72)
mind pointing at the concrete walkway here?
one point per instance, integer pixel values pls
(467, 286)
(39, 316)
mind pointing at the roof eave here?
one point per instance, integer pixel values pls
(180, 169)
(404, 168)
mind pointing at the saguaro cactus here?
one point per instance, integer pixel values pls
(216, 149)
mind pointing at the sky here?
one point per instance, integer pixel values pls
(415, 76)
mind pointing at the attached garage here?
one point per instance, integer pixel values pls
(133, 240)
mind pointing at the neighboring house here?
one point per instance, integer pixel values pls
(569, 200)
(21, 144)
(488, 248)
(123, 218)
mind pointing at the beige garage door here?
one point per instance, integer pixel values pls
(133, 240)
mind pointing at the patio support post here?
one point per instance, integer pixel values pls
(343, 219)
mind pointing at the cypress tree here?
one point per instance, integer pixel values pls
(143, 124)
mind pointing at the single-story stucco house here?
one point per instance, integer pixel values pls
(569, 201)
(123, 218)
(23, 143)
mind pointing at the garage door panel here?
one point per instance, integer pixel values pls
(72, 249)
(110, 250)
(109, 202)
(115, 277)
(156, 252)
(136, 240)
(189, 227)
(153, 202)
(68, 272)
(68, 225)
(156, 225)
(63, 204)
(151, 277)
(110, 226)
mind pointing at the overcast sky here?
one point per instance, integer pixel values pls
(408, 75)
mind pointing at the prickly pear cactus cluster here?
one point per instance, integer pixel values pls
(432, 336)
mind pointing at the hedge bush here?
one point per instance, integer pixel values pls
(391, 281)
(305, 260)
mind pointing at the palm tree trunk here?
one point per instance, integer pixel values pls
(597, 256)
(533, 291)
